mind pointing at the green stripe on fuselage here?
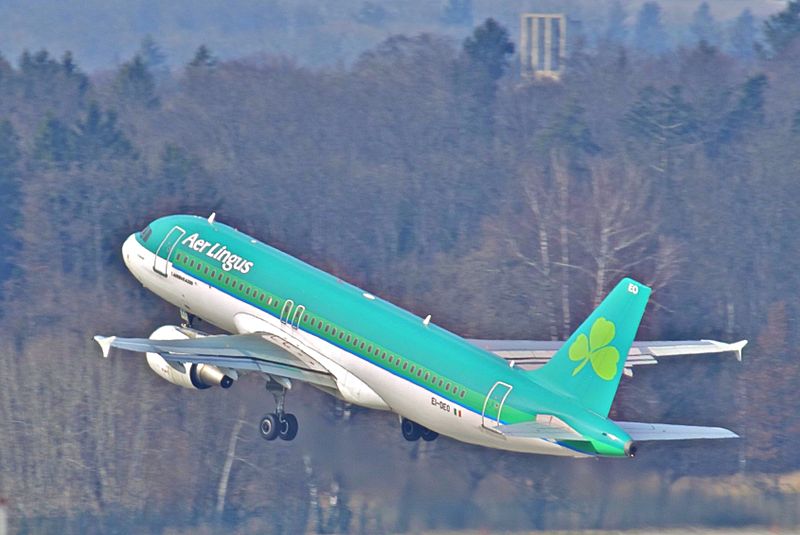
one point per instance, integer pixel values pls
(374, 322)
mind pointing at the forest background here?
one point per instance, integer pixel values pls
(429, 171)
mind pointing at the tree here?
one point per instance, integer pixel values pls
(781, 29)
(54, 143)
(616, 27)
(704, 27)
(744, 36)
(649, 35)
(203, 58)
(9, 199)
(152, 56)
(97, 137)
(488, 49)
(485, 57)
(134, 84)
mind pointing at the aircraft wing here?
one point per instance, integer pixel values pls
(532, 354)
(641, 431)
(246, 352)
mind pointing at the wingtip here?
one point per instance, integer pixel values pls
(105, 343)
(738, 347)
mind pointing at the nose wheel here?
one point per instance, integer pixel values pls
(278, 424)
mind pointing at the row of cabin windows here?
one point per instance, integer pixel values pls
(227, 280)
(394, 360)
(330, 330)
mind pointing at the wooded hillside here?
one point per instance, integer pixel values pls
(431, 174)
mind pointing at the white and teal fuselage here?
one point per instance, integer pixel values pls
(463, 392)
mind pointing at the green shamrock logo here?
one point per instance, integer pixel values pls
(596, 349)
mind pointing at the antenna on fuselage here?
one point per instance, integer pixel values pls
(427, 320)
(211, 218)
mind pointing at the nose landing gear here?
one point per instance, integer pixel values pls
(278, 424)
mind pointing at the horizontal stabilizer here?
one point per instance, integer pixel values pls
(556, 430)
(639, 431)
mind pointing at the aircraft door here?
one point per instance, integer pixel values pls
(286, 311)
(493, 405)
(166, 248)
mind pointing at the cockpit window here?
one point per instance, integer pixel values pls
(146, 233)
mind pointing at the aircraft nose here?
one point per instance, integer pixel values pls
(127, 251)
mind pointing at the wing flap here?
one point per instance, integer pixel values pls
(641, 431)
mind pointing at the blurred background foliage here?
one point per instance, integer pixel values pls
(429, 172)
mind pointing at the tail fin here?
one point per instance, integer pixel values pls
(589, 364)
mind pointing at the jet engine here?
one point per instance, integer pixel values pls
(187, 375)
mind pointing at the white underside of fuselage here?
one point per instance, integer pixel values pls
(380, 388)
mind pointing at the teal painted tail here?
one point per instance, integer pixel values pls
(589, 364)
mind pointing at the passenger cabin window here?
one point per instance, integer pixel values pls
(146, 233)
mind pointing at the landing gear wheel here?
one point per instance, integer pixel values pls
(287, 427)
(411, 431)
(428, 435)
(269, 427)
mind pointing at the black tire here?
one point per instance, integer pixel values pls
(411, 431)
(269, 427)
(287, 427)
(428, 435)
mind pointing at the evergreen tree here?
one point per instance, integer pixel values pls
(781, 29)
(152, 55)
(744, 36)
(9, 200)
(134, 84)
(203, 58)
(748, 111)
(649, 35)
(54, 143)
(484, 59)
(98, 137)
(704, 27)
(616, 28)
(488, 50)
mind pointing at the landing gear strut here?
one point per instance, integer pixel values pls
(187, 318)
(278, 424)
(412, 431)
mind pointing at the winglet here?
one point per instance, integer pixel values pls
(105, 343)
(737, 347)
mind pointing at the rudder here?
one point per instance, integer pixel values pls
(590, 363)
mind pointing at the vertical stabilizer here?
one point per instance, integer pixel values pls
(589, 364)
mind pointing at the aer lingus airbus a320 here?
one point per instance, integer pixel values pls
(292, 323)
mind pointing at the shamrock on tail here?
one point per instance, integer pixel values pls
(596, 349)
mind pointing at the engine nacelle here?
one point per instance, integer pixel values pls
(188, 375)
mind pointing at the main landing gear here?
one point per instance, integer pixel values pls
(412, 431)
(278, 424)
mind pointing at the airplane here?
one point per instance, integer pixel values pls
(294, 323)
